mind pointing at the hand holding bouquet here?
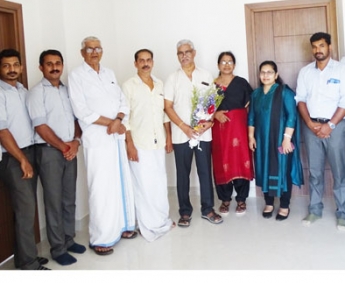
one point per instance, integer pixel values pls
(205, 102)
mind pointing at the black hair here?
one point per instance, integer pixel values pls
(275, 68)
(136, 55)
(49, 52)
(320, 35)
(228, 53)
(6, 53)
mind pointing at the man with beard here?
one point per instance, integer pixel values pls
(321, 103)
(148, 133)
(57, 139)
(17, 166)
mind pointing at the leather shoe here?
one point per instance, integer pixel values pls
(280, 217)
(268, 214)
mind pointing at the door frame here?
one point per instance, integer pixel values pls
(251, 9)
(15, 10)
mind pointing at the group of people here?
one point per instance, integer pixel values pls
(127, 131)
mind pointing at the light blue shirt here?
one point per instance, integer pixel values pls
(50, 105)
(322, 91)
(13, 114)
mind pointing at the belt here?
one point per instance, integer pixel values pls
(43, 145)
(28, 147)
(23, 149)
(320, 120)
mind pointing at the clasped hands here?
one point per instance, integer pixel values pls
(115, 126)
(322, 131)
(197, 131)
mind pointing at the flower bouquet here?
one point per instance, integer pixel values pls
(205, 102)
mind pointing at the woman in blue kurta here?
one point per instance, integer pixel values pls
(273, 129)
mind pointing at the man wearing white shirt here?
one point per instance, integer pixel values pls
(100, 106)
(148, 137)
(321, 103)
(178, 106)
(57, 139)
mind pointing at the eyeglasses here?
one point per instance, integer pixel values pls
(227, 63)
(89, 50)
(268, 73)
(186, 53)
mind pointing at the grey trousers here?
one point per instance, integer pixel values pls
(58, 177)
(318, 151)
(23, 198)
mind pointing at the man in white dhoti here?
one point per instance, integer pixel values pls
(100, 107)
(148, 136)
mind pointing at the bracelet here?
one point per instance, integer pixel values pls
(179, 125)
(287, 135)
(118, 118)
(78, 140)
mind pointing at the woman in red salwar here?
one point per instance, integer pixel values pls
(231, 157)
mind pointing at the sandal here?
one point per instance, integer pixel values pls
(184, 221)
(102, 250)
(241, 207)
(129, 235)
(224, 208)
(213, 217)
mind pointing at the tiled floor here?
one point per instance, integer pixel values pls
(247, 242)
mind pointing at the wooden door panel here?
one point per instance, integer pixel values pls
(299, 21)
(264, 47)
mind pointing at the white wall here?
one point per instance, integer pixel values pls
(125, 26)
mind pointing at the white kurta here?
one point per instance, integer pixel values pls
(111, 199)
(149, 176)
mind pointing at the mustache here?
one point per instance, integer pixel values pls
(146, 67)
(12, 73)
(54, 71)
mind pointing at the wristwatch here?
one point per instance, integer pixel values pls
(331, 125)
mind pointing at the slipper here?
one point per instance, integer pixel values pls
(184, 221)
(102, 250)
(132, 235)
(214, 218)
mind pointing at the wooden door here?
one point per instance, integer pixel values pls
(11, 36)
(280, 31)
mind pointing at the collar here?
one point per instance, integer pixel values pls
(138, 80)
(45, 82)
(7, 86)
(88, 68)
(330, 64)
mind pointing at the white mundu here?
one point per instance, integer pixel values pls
(111, 200)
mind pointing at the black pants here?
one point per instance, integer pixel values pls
(225, 191)
(285, 196)
(183, 160)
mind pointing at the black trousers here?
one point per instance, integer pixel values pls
(225, 191)
(183, 159)
(23, 198)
